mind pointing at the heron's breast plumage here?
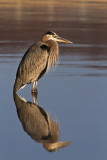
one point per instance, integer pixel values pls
(53, 54)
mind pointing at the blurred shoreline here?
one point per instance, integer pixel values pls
(80, 21)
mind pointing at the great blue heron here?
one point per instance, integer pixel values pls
(37, 60)
(38, 124)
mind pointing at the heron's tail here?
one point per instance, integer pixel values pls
(17, 85)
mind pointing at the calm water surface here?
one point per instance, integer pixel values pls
(74, 93)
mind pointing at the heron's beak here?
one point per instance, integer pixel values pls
(60, 39)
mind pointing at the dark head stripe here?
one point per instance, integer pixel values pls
(50, 33)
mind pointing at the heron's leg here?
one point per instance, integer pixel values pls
(36, 84)
(34, 96)
(34, 88)
(33, 85)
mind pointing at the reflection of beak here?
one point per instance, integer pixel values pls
(52, 147)
(60, 39)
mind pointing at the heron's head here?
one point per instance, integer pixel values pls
(53, 36)
(52, 147)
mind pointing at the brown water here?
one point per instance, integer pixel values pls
(75, 93)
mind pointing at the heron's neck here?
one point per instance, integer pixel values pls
(54, 52)
(54, 49)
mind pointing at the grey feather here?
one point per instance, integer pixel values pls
(32, 64)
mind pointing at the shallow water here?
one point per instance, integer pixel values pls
(74, 93)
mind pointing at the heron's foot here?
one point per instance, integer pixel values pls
(34, 91)
(34, 96)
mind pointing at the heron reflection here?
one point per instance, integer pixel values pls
(38, 124)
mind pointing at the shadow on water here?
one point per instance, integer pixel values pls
(38, 124)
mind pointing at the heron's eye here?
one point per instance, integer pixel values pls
(54, 35)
